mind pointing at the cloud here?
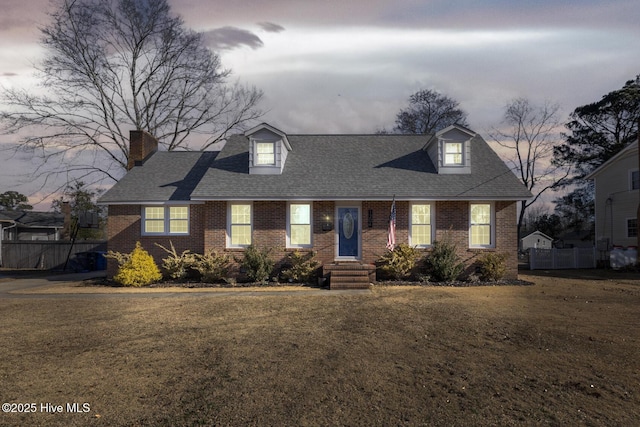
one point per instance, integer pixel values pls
(270, 27)
(229, 38)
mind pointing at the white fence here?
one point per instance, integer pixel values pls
(558, 259)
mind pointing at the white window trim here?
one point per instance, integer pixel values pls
(228, 243)
(631, 171)
(167, 220)
(492, 225)
(288, 242)
(432, 221)
(444, 153)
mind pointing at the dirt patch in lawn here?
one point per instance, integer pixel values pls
(563, 351)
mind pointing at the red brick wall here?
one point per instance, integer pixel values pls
(209, 222)
(124, 228)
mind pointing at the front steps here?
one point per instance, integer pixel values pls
(349, 275)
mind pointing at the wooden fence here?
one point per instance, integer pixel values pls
(46, 255)
(557, 259)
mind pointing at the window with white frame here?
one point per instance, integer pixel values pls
(420, 222)
(481, 225)
(299, 225)
(239, 229)
(634, 180)
(265, 153)
(453, 153)
(632, 227)
(165, 220)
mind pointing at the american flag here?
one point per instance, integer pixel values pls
(391, 240)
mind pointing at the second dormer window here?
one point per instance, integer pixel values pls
(265, 153)
(453, 153)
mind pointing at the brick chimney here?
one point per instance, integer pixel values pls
(141, 146)
(66, 228)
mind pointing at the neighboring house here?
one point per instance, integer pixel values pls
(536, 240)
(328, 193)
(30, 225)
(617, 184)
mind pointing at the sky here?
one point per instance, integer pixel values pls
(348, 66)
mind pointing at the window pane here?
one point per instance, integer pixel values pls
(154, 226)
(481, 214)
(265, 153)
(241, 214)
(453, 153)
(632, 228)
(179, 212)
(421, 214)
(240, 235)
(300, 234)
(154, 213)
(300, 214)
(480, 235)
(635, 180)
(421, 235)
(179, 226)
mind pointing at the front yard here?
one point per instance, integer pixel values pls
(563, 351)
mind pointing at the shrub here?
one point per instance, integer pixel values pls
(213, 267)
(177, 266)
(140, 269)
(492, 266)
(399, 262)
(301, 267)
(118, 256)
(443, 264)
(257, 264)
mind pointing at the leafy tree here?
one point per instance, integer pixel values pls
(116, 65)
(598, 131)
(528, 133)
(429, 111)
(549, 224)
(14, 201)
(577, 208)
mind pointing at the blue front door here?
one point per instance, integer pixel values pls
(348, 232)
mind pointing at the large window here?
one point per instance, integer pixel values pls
(265, 153)
(299, 225)
(481, 225)
(239, 228)
(453, 153)
(420, 232)
(165, 220)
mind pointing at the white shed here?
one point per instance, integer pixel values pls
(536, 240)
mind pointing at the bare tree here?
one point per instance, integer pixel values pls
(116, 65)
(429, 111)
(528, 134)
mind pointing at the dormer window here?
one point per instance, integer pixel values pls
(268, 150)
(265, 154)
(450, 150)
(453, 153)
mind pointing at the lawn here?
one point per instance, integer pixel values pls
(564, 351)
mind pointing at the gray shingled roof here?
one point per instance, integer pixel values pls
(320, 167)
(165, 176)
(34, 219)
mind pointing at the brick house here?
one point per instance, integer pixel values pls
(328, 193)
